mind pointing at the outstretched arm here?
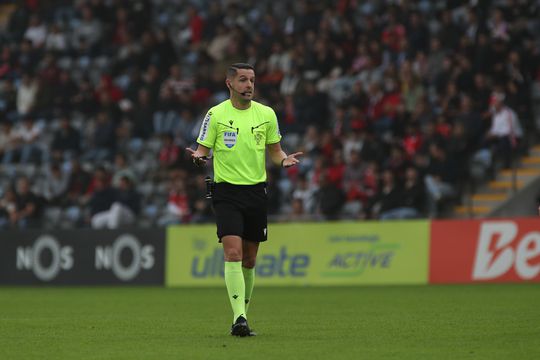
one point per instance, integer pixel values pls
(199, 156)
(279, 157)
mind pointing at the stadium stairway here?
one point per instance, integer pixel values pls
(494, 194)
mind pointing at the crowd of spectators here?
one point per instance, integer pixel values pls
(396, 104)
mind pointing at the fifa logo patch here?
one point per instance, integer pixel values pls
(229, 138)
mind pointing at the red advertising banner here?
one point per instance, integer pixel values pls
(495, 250)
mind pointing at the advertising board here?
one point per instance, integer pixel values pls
(494, 250)
(344, 253)
(82, 257)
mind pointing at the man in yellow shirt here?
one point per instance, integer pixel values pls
(239, 130)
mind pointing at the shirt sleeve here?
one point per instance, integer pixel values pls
(272, 131)
(207, 134)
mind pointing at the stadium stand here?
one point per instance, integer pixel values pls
(396, 114)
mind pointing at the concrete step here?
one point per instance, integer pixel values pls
(534, 151)
(505, 185)
(524, 174)
(534, 166)
(489, 197)
(530, 160)
(521, 172)
(473, 210)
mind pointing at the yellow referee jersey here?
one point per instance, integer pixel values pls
(238, 139)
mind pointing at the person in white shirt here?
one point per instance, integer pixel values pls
(87, 30)
(36, 32)
(26, 139)
(26, 94)
(505, 133)
(56, 39)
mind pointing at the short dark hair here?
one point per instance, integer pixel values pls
(233, 69)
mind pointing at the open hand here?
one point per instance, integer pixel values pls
(198, 158)
(291, 160)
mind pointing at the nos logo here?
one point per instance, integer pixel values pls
(46, 257)
(110, 257)
(32, 258)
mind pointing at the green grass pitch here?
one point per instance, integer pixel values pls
(401, 322)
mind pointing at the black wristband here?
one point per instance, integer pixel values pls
(282, 160)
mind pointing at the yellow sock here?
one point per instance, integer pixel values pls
(234, 280)
(249, 281)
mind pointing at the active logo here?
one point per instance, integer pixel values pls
(371, 254)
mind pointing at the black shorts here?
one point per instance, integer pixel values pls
(241, 210)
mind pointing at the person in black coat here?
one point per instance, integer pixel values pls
(66, 141)
(411, 202)
(389, 196)
(330, 198)
(114, 207)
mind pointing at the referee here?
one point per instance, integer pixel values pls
(239, 130)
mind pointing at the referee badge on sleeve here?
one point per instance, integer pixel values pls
(229, 138)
